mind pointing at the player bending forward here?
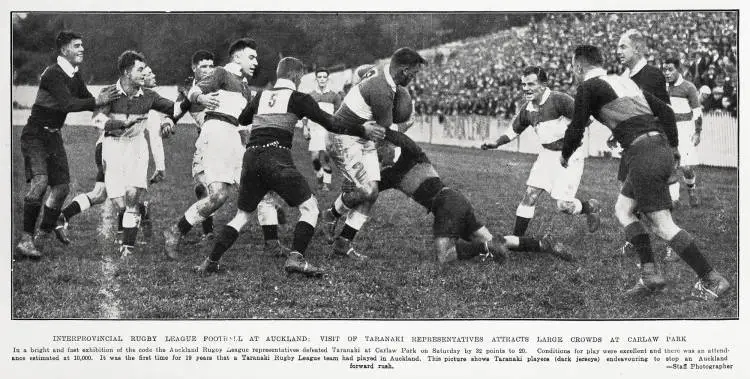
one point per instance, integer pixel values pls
(267, 164)
(549, 113)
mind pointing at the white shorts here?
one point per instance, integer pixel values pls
(356, 160)
(318, 137)
(547, 173)
(688, 153)
(221, 148)
(125, 162)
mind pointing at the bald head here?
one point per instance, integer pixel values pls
(631, 47)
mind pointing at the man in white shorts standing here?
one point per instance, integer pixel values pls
(549, 113)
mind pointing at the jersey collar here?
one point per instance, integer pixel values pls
(65, 65)
(122, 91)
(595, 73)
(388, 77)
(545, 95)
(285, 83)
(679, 81)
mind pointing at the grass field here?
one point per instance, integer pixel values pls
(88, 280)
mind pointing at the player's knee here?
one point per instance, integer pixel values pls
(370, 192)
(565, 206)
(530, 198)
(624, 212)
(37, 188)
(309, 211)
(218, 198)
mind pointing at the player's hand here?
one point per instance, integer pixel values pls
(158, 176)
(167, 128)
(210, 101)
(563, 161)
(488, 146)
(612, 142)
(373, 131)
(107, 95)
(348, 186)
(245, 134)
(306, 132)
(696, 139)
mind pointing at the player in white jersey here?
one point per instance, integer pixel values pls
(686, 104)
(549, 113)
(330, 102)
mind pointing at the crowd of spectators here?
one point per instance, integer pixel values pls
(481, 75)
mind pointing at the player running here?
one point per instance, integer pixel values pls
(648, 160)
(549, 113)
(267, 164)
(330, 102)
(370, 99)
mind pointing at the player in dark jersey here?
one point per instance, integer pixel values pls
(648, 159)
(330, 102)
(61, 91)
(267, 164)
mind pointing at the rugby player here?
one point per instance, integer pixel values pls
(268, 166)
(329, 101)
(220, 141)
(549, 113)
(124, 148)
(61, 91)
(370, 99)
(648, 158)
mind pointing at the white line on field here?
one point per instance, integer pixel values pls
(110, 306)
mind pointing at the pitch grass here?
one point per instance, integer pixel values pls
(400, 280)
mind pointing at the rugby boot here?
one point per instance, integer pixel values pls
(296, 263)
(172, 240)
(694, 199)
(60, 232)
(343, 248)
(207, 267)
(626, 250)
(495, 251)
(556, 249)
(711, 287)
(670, 255)
(275, 248)
(650, 281)
(329, 226)
(126, 251)
(593, 219)
(27, 249)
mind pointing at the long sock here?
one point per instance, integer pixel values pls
(208, 225)
(468, 250)
(354, 223)
(270, 232)
(684, 244)
(120, 216)
(225, 239)
(327, 175)
(690, 182)
(316, 165)
(130, 223)
(142, 211)
(585, 207)
(524, 214)
(303, 233)
(636, 234)
(79, 204)
(30, 215)
(190, 218)
(674, 191)
(49, 218)
(529, 244)
(339, 208)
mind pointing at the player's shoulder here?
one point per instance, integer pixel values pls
(560, 97)
(52, 71)
(689, 86)
(150, 93)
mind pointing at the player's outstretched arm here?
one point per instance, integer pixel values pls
(666, 117)
(407, 145)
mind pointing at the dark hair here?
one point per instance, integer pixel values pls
(407, 57)
(541, 75)
(127, 59)
(322, 69)
(673, 61)
(288, 65)
(590, 54)
(202, 55)
(64, 38)
(241, 44)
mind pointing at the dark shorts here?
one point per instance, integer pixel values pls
(454, 215)
(99, 164)
(648, 166)
(44, 154)
(270, 169)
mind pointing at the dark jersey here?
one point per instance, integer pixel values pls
(58, 95)
(650, 79)
(120, 110)
(233, 92)
(275, 112)
(620, 105)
